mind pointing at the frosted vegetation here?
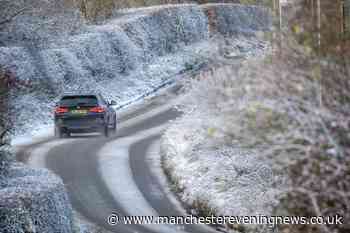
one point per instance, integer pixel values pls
(32, 201)
(268, 137)
(34, 22)
(123, 58)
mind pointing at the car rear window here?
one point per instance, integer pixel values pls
(71, 101)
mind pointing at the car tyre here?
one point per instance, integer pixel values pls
(114, 129)
(106, 131)
(58, 132)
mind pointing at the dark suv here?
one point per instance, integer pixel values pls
(84, 114)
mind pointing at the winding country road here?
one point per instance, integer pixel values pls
(119, 174)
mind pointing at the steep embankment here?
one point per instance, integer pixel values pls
(125, 57)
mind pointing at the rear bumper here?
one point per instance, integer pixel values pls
(81, 125)
(84, 130)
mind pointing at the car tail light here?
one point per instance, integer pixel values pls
(60, 110)
(97, 109)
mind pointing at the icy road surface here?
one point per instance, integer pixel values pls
(120, 174)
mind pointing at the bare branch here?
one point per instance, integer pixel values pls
(9, 19)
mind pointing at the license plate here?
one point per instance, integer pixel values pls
(79, 112)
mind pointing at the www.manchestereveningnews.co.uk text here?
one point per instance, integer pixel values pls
(115, 219)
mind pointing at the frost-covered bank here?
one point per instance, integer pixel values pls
(36, 21)
(123, 58)
(211, 170)
(265, 139)
(32, 200)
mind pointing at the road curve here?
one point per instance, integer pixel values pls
(120, 174)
